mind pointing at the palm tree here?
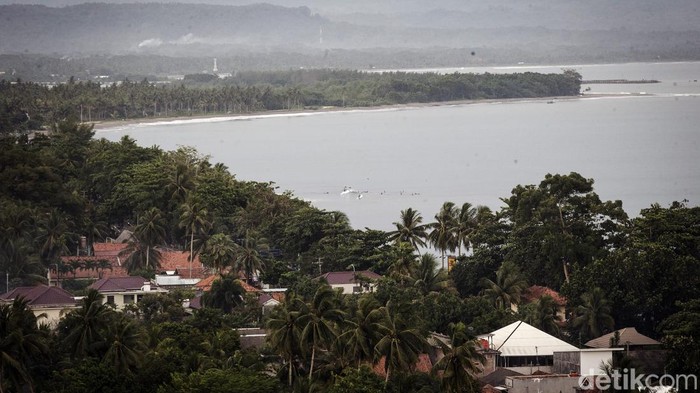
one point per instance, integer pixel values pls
(150, 231)
(226, 293)
(409, 229)
(460, 362)
(126, 345)
(286, 330)
(442, 234)
(594, 315)
(219, 252)
(103, 264)
(363, 333)
(430, 279)
(83, 328)
(466, 225)
(403, 265)
(399, 344)
(75, 265)
(53, 230)
(319, 319)
(543, 315)
(508, 288)
(194, 218)
(247, 255)
(20, 341)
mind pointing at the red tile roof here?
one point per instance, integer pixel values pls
(205, 283)
(116, 271)
(41, 295)
(340, 278)
(179, 261)
(535, 292)
(108, 249)
(119, 284)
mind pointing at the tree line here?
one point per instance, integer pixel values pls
(26, 106)
(614, 272)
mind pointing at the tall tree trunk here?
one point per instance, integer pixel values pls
(289, 378)
(313, 355)
(191, 250)
(148, 255)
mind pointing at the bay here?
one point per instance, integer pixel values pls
(640, 143)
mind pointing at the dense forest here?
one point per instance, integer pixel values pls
(27, 106)
(614, 272)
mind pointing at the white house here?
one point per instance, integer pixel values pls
(49, 304)
(121, 291)
(352, 282)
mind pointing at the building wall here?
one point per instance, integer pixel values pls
(348, 288)
(591, 362)
(53, 315)
(566, 362)
(542, 384)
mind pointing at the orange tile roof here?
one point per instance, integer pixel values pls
(205, 283)
(108, 249)
(179, 260)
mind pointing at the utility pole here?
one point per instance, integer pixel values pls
(319, 263)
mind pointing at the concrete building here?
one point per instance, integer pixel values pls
(49, 304)
(352, 282)
(121, 291)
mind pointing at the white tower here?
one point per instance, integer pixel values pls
(216, 69)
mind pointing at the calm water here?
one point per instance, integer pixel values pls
(639, 149)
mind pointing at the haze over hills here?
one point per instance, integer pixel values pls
(358, 34)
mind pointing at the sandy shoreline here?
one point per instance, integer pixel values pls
(109, 124)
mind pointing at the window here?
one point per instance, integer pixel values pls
(110, 299)
(357, 289)
(138, 298)
(128, 299)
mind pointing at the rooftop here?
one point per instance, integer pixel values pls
(342, 278)
(521, 339)
(628, 336)
(41, 296)
(119, 284)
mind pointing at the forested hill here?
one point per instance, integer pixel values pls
(106, 28)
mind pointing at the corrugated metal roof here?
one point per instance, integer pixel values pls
(522, 339)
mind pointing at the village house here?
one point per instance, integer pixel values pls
(49, 304)
(352, 282)
(121, 291)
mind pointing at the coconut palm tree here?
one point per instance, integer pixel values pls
(226, 293)
(466, 225)
(194, 218)
(126, 343)
(83, 328)
(219, 252)
(247, 256)
(53, 232)
(543, 315)
(508, 287)
(442, 232)
(410, 229)
(285, 331)
(594, 315)
(319, 319)
(362, 333)
(150, 231)
(403, 265)
(460, 362)
(399, 344)
(20, 341)
(428, 278)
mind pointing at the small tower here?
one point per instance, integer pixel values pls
(216, 69)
